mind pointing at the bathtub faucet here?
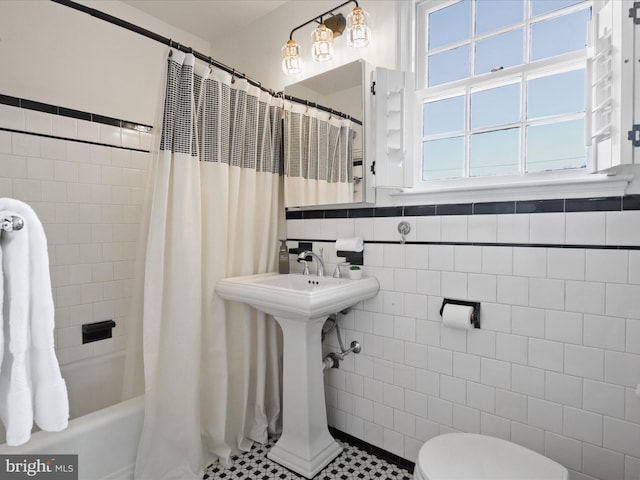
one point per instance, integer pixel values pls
(320, 268)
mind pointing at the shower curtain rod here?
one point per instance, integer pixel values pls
(320, 107)
(200, 56)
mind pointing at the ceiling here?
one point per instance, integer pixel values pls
(207, 19)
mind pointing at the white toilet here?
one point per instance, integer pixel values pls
(468, 456)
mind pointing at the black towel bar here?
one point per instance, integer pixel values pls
(92, 332)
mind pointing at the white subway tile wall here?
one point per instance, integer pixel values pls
(554, 366)
(89, 200)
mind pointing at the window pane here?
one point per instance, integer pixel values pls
(504, 50)
(495, 153)
(559, 35)
(538, 7)
(556, 94)
(493, 14)
(448, 66)
(443, 158)
(449, 25)
(443, 116)
(556, 146)
(495, 106)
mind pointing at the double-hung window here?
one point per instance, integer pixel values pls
(503, 87)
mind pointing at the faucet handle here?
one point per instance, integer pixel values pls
(306, 266)
(337, 273)
(303, 255)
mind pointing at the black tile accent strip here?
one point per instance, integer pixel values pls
(72, 140)
(494, 208)
(362, 212)
(340, 213)
(38, 106)
(11, 101)
(558, 205)
(106, 120)
(67, 112)
(419, 210)
(294, 214)
(302, 246)
(387, 212)
(354, 258)
(454, 209)
(77, 114)
(631, 202)
(310, 214)
(485, 244)
(377, 451)
(540, 206)
(604, 204)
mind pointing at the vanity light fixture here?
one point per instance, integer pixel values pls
(358, 35)
(291, 59)
(322, 44)
(358, 31)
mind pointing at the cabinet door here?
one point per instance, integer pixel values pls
(392, 96)
(611, 71)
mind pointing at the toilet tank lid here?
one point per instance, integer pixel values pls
(480, 457)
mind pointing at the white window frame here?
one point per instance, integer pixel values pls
(578, 182)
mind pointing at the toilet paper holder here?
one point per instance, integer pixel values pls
(475, 316)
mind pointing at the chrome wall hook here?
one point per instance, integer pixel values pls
(404, 228)
(11, 224)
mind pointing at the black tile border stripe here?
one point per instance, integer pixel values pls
(560, 205)
(372, 449)
(482, 244)
(68, 112)
(67, 139)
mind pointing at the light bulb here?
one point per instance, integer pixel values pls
(291, 59)
(358, 31)
(322, 44)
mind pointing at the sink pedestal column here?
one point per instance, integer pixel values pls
(305, 446)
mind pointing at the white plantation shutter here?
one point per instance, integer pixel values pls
(611, 66)
(392, 134)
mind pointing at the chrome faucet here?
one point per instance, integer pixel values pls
(320, 268)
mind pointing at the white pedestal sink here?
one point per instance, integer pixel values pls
(301, 304)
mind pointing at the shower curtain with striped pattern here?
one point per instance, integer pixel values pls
(211, 367)
(318, 165)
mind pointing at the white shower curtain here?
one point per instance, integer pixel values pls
(317, 157)
(212, 368)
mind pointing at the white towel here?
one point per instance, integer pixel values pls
(31, 385)
(354, 244)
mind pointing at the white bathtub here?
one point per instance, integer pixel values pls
(106, 441)
(105, 438)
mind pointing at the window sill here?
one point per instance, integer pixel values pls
(540, 187)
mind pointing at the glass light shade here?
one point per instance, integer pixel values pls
(322, 44)
(291, 59)
(358, 31)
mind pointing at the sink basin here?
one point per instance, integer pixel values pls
(294, 296)
(300, 305)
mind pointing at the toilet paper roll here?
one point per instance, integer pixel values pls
(354, 244)
(457, 316)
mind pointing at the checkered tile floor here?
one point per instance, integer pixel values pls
(352, 463)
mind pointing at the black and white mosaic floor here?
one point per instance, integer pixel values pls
(352, 463)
